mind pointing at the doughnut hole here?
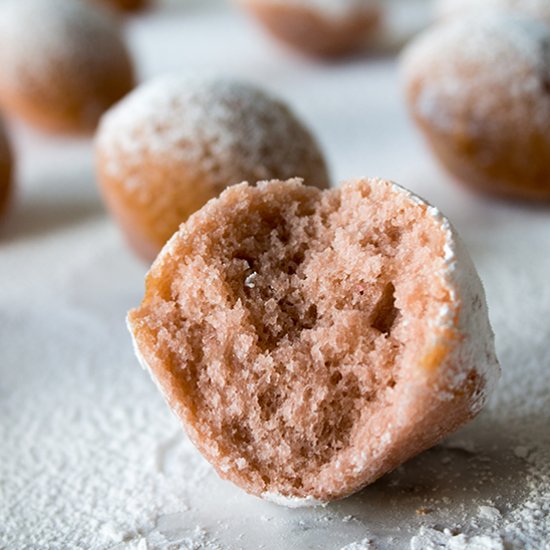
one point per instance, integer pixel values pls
(478, 88)
(282, 324)
(176, 143)
(64, 63)
(317, 29)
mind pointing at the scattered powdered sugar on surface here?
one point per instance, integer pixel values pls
(292, 502)
(511, 57)
(365, 544)
(433, 539)
(90, 456)
(489, 513)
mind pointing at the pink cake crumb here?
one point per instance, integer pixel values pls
(311, 341)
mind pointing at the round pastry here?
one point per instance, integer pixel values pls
(539, 9)
(6, 169)
(311, 341)
(63, 62)
(479, 88)
(318, 27)
(175, 143)
(126, 5)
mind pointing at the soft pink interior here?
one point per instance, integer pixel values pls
(289, 323)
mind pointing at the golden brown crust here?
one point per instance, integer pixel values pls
(313, 32)
(62, 108)
(520, 171)
(148, 224)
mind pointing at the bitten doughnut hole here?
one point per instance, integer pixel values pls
(281, 325)
(64, 62)
(318, 27)
(478, 87)
(176, 143)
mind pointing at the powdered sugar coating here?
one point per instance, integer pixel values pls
(433, 539)
(63, 61)
(478, 87)
(38, 33)
(213, 123)
(177, 142)
(292, 502)
(507, 54)
(470, 313)
(478, 348)
(536, 8)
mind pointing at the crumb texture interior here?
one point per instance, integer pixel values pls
(287, 317)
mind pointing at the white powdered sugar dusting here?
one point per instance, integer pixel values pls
(292, 502)
(474, 65)
(458, 273)
(41, 36)
(473, 321)
(433, 539)
(211, 125)
(365, 544)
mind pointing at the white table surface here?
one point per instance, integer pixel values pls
(90, 456)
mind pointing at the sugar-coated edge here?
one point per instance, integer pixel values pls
(462, 278)
(146, 367)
